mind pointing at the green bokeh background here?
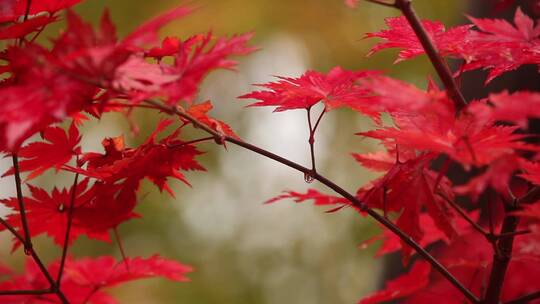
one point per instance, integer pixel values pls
(244, 251)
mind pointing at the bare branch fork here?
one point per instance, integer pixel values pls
(311, 140)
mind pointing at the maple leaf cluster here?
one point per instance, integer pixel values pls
(88, 72)
(487, 137)
(479, 234)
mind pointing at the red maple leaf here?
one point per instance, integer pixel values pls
(197, 56)
(517, 108)
(498, 46)
(147, 33)
(49, 6)
(390, 95)
(469, 259)
(19, 30)
(337, 88)
(400, 35)
(530, 211)
(408, 187)
(40, 95)
(468, 138)
(58, 149)
(501, 47)
(48, 213)
(156, 161)
(532, 172)
(318, 198)
(416, 279)
(106, 272)
(85, 279)
(169, 47)
(199, 111)
(497, 176)
(431, 234)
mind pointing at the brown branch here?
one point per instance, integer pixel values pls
(20, 198)
(405, 6)
(195, 141)
(501, 257)
(311, 140)
(525, 299)
(25, 292)
(121, 248)
(54, 288)
(68, 229)
(503, 254)
(530, 197)
(355, 202)
(12, 230)
(379, 2)
(464, 215)
(28, 249)
(27, 9)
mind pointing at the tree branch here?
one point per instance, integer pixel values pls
(530, 197)
(355, 202)
(68, 229)
(28, 249)
(20, 198)
(12, 230)
(311, 141)
(25, 292)
(379, 2)
(464, 215)
(501, 256)
(525, 299)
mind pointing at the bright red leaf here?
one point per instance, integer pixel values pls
(402, 286)
(58, 149)
(48, 212)
(400, 35)
(337, 88)
(408, 187)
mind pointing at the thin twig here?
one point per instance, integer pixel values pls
(379, 2)
(515, 233)
(121, 247)
(501, 256)
(28, 248)
(27, 9)
(12, 230)
(49, 278)
(319, 119)
(525, 299)
(311, 140)
(530, 197)
(355, 202)
(27, 239)
(463, 214)
(190, 142)
(91, 293)
(25, 292)
(68, 229)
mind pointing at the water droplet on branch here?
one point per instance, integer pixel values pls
(308, 178)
